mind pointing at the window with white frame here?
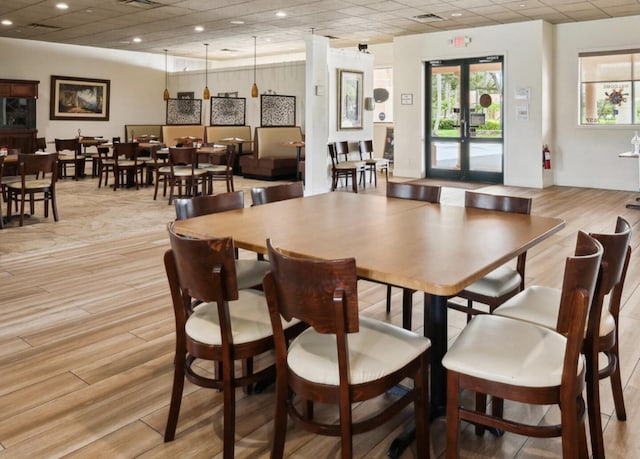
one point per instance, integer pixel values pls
(610, 88)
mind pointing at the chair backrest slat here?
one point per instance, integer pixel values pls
(516, 204)
(415, 191)
(265, 195)
(200, 262)
(208, 204)
(308, 290)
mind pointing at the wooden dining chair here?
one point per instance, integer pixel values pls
(343, 358)
(249, 271)
(417, 192)
(29, 187)
(540, 305)
(227, 326)
(527, 363)
(266, 194)
(222, 172)
(183, 174)
(106, 165)
(127, 167)
(504, 282)
(69, 156)
(373, 165)
(344, 155)
(342, 170)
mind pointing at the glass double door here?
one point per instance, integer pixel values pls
(465, 119)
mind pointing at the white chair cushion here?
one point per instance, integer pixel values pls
(251, 272)
(249, 320)
(509, 351)
(376, 350)
(498, 282)
(541, 305)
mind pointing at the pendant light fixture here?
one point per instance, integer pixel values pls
(206, 95)
(254, 88)
(166, 78)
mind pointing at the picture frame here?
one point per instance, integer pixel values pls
(186, 95)
(350, 99)
(76, 98)
(184, 111)
(276, 110)
(228, 111)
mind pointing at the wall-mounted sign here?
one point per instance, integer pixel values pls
(406, 99)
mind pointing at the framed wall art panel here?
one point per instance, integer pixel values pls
(277, 110)
(228, 111)
(184, 111)
(75, 98)
(350, 87)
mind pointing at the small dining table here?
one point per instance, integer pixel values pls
(433, 248)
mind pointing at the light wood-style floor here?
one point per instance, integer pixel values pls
(86, 337)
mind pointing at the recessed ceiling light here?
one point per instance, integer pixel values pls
(455, 15)
(281, 14)
(62, 6)
(237, 22)
(198, 28)
(7, 22)
(137, 39)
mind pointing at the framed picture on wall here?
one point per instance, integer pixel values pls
(277, 110)
(350, 88)
(75, 98)
(228, 111)
(184, 111)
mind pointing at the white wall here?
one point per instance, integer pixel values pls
(137, 82)
(587, 156)
(520, 44)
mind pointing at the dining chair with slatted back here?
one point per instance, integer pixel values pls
(343, 357)
(540, 305)
(222, 172)
(344, 155)
(69, 156)
(341, 170)
(417, 192)
(372, 164)
(504, 282)
(527, 363)
(228, 325)
(183, 173)
(127, 166)
(30, 166)
(266, 194)
(249, 271)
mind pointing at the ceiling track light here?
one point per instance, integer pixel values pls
(254, 88)
(206, 95)
(166, 78)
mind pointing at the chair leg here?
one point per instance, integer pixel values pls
(616, 382)
(481, 407)
(280, 420)
(453, 416)
(229, 421)
(388, 299)
(54, 206)
(346, 427)
(421, 408)
(176, 396)
(572, 423)
(593, 403)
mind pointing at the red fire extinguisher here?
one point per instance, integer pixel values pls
(546, 157)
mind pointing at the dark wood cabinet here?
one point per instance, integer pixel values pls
(18, 114)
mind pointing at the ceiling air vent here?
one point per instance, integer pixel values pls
(427, 17)
(35, 25)
(330, 37)
(227, 50)
(140, 3)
